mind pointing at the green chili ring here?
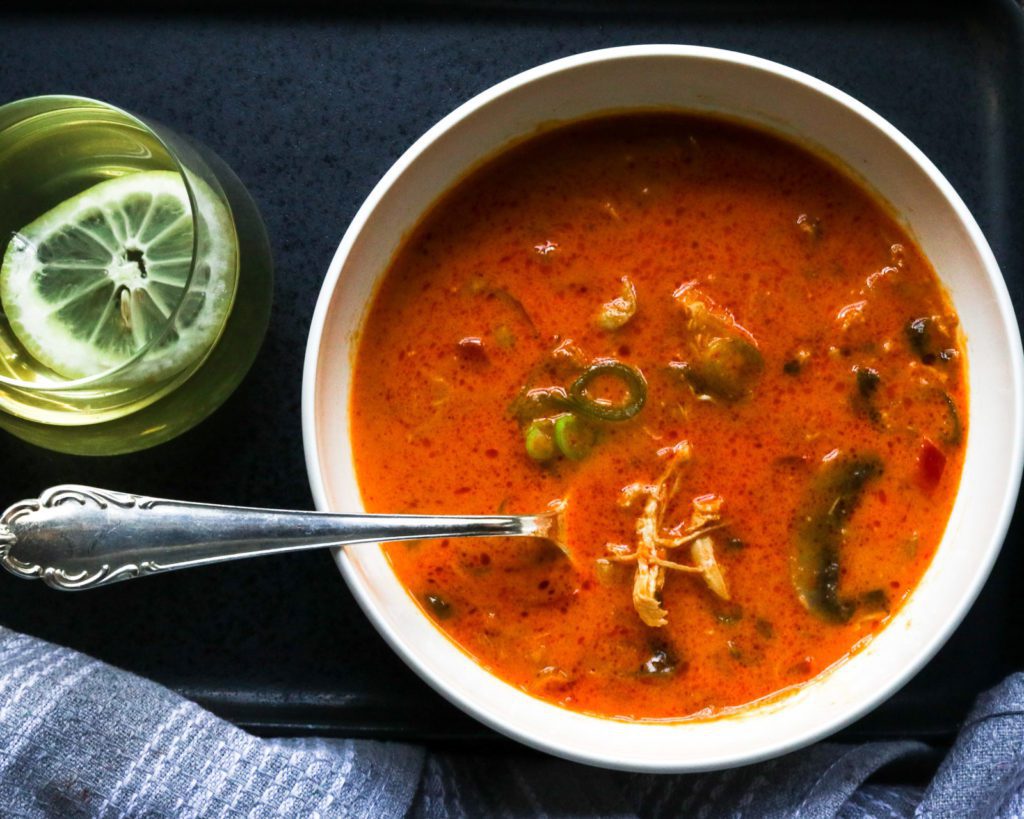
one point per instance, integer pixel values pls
(602, 410)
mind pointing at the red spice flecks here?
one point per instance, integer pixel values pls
(488, 240)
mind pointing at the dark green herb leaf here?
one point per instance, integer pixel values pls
(954, 434)
(931, 340)
(662, 663)
(875, 600)
(439, 607)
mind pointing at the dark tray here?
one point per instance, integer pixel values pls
(311, 111)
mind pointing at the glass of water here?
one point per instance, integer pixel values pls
(135, 281)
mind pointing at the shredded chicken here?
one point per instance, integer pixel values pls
(707, 320)
(851, 314)
(654, 540)
(615, 313)
(703, 551)
(809, 226)
(567, 352)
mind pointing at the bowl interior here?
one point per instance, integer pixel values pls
(694, 79)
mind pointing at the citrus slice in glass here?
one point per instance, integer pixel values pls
(104, 274)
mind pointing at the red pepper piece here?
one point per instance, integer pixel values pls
(930, 465)
(472, 349)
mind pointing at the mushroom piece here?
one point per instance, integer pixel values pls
(722, 359)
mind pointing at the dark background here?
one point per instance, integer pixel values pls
(310, 110)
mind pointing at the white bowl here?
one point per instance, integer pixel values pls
(737, 85)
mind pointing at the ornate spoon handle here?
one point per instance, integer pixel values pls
(78, 537)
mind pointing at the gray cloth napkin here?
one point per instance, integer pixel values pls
(80, 738)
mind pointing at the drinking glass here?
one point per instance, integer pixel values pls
(136, 278)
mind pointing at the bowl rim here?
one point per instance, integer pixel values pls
(987, 262)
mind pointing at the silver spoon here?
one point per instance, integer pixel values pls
(77, 537)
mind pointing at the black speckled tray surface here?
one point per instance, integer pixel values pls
(310, 111)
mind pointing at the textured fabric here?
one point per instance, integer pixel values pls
(984, 776)
(79, 738)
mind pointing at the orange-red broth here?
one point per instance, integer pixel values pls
(521, 255)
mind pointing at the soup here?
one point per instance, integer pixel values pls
(727, 362)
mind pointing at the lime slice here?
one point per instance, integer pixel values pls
(90, 283)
